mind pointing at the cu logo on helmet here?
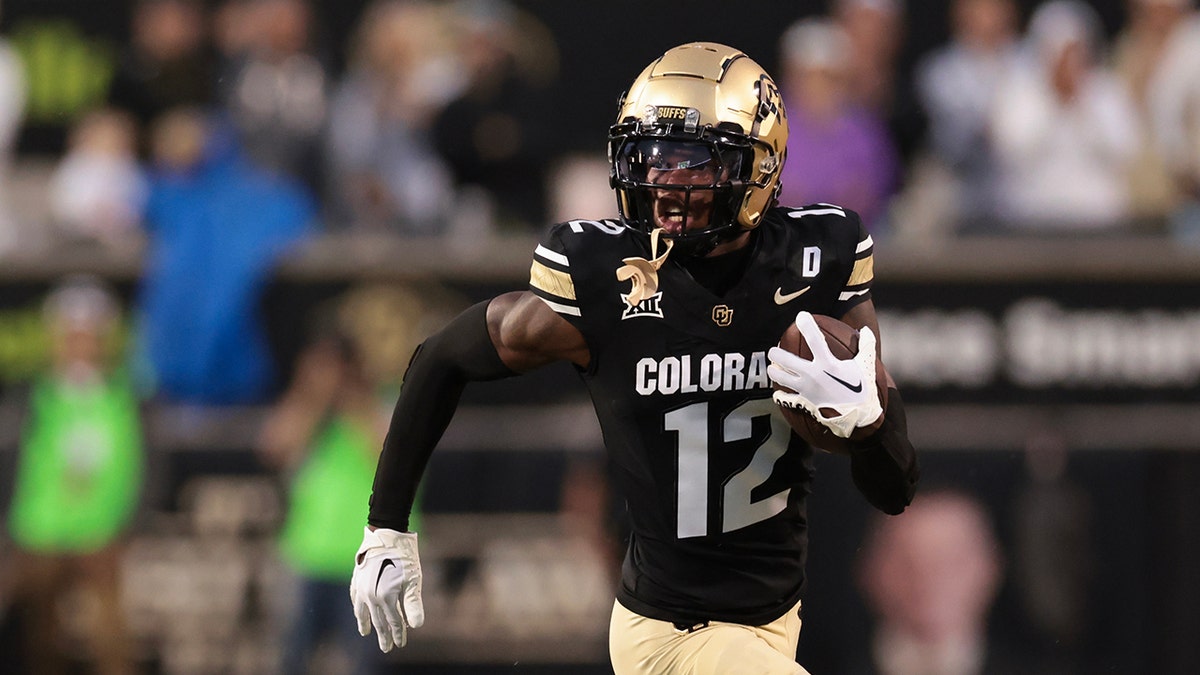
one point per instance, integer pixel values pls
(770, 103)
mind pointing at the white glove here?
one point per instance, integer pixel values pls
(847, 387)
(386, 587)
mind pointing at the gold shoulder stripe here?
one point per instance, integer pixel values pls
(864, 271)
(551, 281)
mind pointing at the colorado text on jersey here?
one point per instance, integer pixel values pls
(711, 372)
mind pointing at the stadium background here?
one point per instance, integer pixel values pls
(510, 593)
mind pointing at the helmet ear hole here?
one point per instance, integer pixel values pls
(733, 127)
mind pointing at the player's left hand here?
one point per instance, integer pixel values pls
(840, 393)
(386, 587)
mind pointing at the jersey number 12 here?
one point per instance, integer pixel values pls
(690, 423)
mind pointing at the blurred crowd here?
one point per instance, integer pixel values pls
(1044, 125)
(228, 135)
(1031, 117)
(432, 97)
(225, 138)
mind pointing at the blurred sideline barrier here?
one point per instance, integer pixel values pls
(210, 595)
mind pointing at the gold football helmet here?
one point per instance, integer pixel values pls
(712, 118)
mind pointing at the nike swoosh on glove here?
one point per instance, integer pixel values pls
(841, 394)
(386, 587)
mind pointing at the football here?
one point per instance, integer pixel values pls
(843, 343)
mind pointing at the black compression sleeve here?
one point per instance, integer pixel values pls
(884, 466)
(439, 370)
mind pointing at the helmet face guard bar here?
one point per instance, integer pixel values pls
(679, 172)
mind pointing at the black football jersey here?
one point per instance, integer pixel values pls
(714, 480)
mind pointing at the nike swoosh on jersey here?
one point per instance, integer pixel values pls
(781, 299)
(856, 388)
(389, 562)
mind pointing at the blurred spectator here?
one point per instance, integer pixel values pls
(12, 112)
(1158, 57)
(77, 487)
(67, 66)
(98, 190)
(874, 30)
(929, 577)
(216, 226)
(838, 151)
(1064, 128)
(167, 62)
(274, 86)
(384, 170)
(957, 86)
(325, 434)
(494, 135)
(1053, 553)
(875, 79)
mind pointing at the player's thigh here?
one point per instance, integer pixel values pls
(642, 646)
(728, 649)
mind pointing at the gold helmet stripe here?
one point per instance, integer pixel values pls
(725, 65)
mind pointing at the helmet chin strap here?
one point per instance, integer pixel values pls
(644, 273)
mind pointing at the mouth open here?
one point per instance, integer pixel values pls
(676, 216)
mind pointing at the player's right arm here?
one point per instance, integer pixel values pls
(511, 334)
(528, 334)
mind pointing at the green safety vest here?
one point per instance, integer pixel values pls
(327, 503)
(80, 469)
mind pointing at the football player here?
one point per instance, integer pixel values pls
(671, 315)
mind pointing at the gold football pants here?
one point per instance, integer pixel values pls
(641, 646)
